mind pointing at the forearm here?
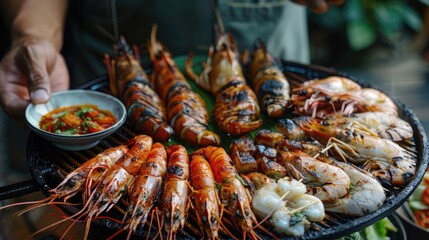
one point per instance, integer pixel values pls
(41, 19)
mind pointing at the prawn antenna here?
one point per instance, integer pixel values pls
(114, 19)
(218, 17)
(115, 36)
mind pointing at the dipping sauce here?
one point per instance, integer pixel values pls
(77, 120)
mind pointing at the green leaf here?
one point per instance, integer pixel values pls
(380, 229)
(371, 233)
(388, 17)
(83, 110)
(68, 132)
(296, 218)
(412, 18)
(389, 225)
(60, 114)
(360, 35)
(89, 124)
(417, 194)
(416, 205)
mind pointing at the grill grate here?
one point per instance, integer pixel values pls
(49, 165)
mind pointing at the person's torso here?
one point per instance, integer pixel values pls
(183, 26)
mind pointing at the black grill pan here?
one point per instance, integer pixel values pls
(48, 164)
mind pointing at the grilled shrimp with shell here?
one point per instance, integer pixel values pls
(117, 179)
(369, 100)
(130, 83)
(187, 111)
(321, 97)
(83, 179)
(366, 194)
(233, 195)
(313, 97)
(270, 84)
(323, 180)
(205, 197)
(384, 125)
(146, 189)
(391, 164)
(236, 107)
(175, 195)
(87, 176)
(327, 86)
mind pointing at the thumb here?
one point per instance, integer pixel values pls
(33, 59)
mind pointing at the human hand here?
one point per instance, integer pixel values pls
(30, 72)
(319, 6)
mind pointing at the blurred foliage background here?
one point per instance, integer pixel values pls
(355, 29)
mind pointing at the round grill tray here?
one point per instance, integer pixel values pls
(47, 163)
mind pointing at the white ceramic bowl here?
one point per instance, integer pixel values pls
(34, 113)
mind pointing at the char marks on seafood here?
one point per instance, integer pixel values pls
(130, 83)
(321, 97)
(175, 196)
(236, 107)
(270, 84)
(187, 111)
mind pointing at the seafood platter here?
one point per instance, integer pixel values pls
(254, 147)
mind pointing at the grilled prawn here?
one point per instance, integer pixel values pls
(175, 196)
(324, 181)
(366, 194)
(391, 164)
(318, 98)
(187, 111)
(269, 82)
(130, 83)
(87, 176)
(379, 124)
(236, 107)
(119, 177)
(233, 195)
(83, 179)
(205, 197)
(146, 188)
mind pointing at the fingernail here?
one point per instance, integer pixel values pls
(39, 96)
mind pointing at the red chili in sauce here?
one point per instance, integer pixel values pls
(77, 120)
